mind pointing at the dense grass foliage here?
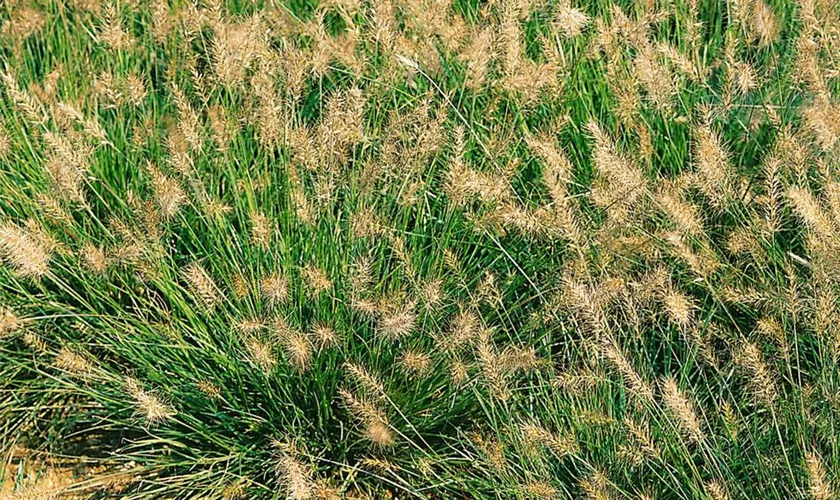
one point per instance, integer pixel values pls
(419, 249)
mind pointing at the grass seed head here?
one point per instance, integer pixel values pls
(275, 289)
(9, 323)
(819, 486)
(151, 406)
(73, 363)
(682, 409)
(202, 285)
(24, 251)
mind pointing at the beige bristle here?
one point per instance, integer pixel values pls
(202, 285)
(316, 279)
(27, 104)
(24, 251)
(168, 192)
(260, 354)
(73, 362)
(209, 389)
(374, 421)
(569, 20)
(151, 406)
(325, 336)
(642, 438)
(274, 288)
(398, 323)
(94, 258)
(711, 160)
(716, 491)
(9, 323)
(298, 350)
(761, 379)
(477, 55)
(234, 490)
(541, 490)
(654, 78)
(596, 487)
(459, 372)
(493, 451)
(260, 230)
(379, 433)
(366, 380)
(809, 209)
(111, 33)
(537, 435)
(678, 307)
(416, 363)
(189, 124)
(682, 409)
(296, 478)
(634, 381)
(431, 294)
(819, 486)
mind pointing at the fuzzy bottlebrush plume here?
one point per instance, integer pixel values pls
(684, 214)
(712, 167)
(614, 355)
(716, 491)
(5, 142)
(325, 336)
(375, 423)
(655, 78)
(296, 344)
(260, 230)
(596, 487)
(150, 405)
(27, 104)
(819, 486)
(398, 322)
(202, 285)
(316, 279)
(235, 47)
(431, 294)
(73, 363)
(95, 258)
(761, 380)
(298, 350)
(260, 354)
(464, 329)
(24, 250)
(211, 390)
(493, 451)
(111, 33)
(66, 167)
(682, 409)
(416, 363)
(557, 176)
(539, 490)
(274, 288)
(296, 477)
(620, 182)
(169, 195)
(477, 55)
(9, 323)
(640, 432)
(570, 21)
(366, 224)
(189, 124)
(535, 435)
(678, 307)
(811, 212)
(365, 380)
